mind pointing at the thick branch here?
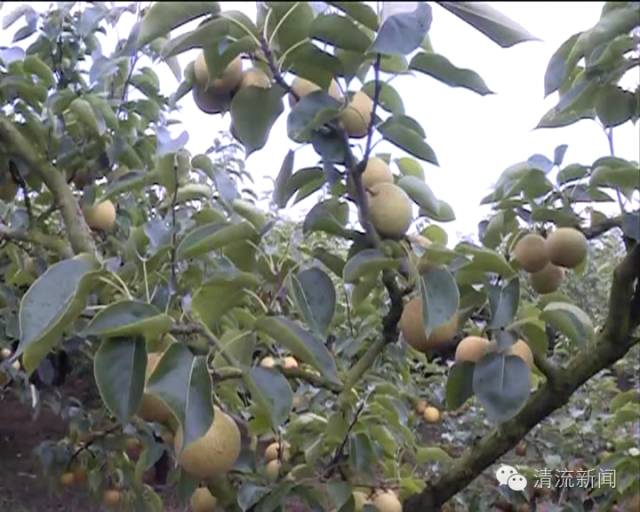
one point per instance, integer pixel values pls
(614, 342)
(47, 242)
(77, 230)
(602, 227)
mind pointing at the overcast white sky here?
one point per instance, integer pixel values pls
(474, 137)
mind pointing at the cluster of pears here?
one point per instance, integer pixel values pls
(546, 259)
(390, 209)
(473, 348)
(288, 362)
(429, 413)
(383, 500)
(275, 455)
(213, 96)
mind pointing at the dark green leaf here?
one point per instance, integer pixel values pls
(331, 261)
(570, 320)
(389, 98)
(340, 32)
(129, 318)
(315, 296)
(402, 33)
(558, 68)
(614, 106)
(310, 62)
(459, 385)
(399, 134)
(572, 172)
(270, 389)
(360, 12)
(441, 69)
(329, 216)
(280, 196)
(119, 367)
(182, 381)
(253, 112)
(310, 113)
(504, 301)
(440, 297)
(558, 154)
(207, 238)
(493, 24)
(163, 17)
(367, 262)
(501, 384)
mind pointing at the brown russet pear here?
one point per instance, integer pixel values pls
(531, 253)
(548, 279)
(412, 328)
(390, 209)
(471, 349)
(567, 247)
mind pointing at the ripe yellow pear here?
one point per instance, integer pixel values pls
(272, 450)
(522, 350)
(111, 497)
(421, 406)
(8, 188)
(567, 247)
(214, 453)
(210, 101)
(377, 171)
(273, 469)
(356, 117)
(431, 415)
(67, 479)
(101, 216)
(412, 328)
(547, 280)
(390, 210)
(268, 362)
(255, 77)
(290, 362)
(228, 81)
(151, 407)
(302, 87)
(531, 253)
(387, 501)
(472, 349)
(202, 500)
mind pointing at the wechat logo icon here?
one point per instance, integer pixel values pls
(509, 476)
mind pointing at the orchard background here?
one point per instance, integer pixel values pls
(168, 342)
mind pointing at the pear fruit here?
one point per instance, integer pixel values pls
(151, 407)
(472, 349)
(202, 500)
(255, 77)
(412, 328)
(522, 350)
(302, 87)
(531, 253)
(387, 501)
(101, 216)
(548, 279)
(390, 210)
(356, 117)
(229, 80)
(214, 453)
(431, 415)
(567, 247)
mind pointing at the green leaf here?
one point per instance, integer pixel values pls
(360, 12)
(84, 113)
(315, 297)
(493, 24)
(251, 213)
(558, 68)
(430, 454)
(485, 260)
(389, 98)
(293, 22)
(340, 32)
(119, 367)
(329, 216)
(410, 167)
(440, 297)
(304, 345)
(129, 318)
(367, 262)
(182, 381)
(253, 112)
(402, 33)
(310, 62)
(310, 113)
(400, 135)
(280, 195)
(210, 237)
(419, 192)
(501, 384)
(163, 17)
(223, 291)
(330, 260)
(504, 302)
(218, 55)
(459, 386)
(236, 344)
(270, 389)
(35, 65)
(626, 176)
(572, 172)
(570, 320)
(51, 304)
(441, 69)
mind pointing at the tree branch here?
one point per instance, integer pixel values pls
(602, 227)
(47, 242)
(77, 230)
(612, 344)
